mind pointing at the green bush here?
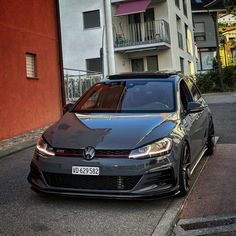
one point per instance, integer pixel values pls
(204, 82)
(210, 81)
(229, 76)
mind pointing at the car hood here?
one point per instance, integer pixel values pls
(102, 131)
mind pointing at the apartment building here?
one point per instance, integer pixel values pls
(115, 36)
(227, 19)
(205, 31)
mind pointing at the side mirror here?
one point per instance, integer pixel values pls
(67, 107)
(195, 107)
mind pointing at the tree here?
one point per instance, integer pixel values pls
(231, 6)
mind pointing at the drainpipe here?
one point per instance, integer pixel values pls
(63, 99)
(109, 37)
(104, 45)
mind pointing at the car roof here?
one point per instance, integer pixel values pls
(145, 75)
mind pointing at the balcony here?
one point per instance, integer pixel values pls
(141, 36)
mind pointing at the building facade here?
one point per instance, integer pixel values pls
(228, 46)
(122, 36)
(30, 79)
(227, 19)
(206, 32)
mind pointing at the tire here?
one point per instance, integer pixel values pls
(210, 140)
(184, 170)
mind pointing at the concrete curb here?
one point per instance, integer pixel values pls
(16, 148)
(169, 218)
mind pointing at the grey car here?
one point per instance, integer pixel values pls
(134, 135)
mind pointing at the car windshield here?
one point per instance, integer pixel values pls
(128, 97)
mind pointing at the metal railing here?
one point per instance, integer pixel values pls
(141, 33)
(77, 82)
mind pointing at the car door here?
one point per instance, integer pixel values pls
(201, 117)
(190, 122)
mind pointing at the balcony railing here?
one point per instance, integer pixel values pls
(77, 82)
(141, 33)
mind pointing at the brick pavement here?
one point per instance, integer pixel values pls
(210, 208)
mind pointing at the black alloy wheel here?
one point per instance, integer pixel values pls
(184, 170)
(210, 139)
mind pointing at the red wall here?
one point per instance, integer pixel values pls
(26, 104)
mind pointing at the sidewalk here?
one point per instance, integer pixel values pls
(15, 144)
(210, 209)
(214, 98)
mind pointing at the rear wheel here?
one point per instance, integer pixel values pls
(184, 170)
(210, 139)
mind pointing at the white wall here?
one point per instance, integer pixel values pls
(79, 44)
(176, 52)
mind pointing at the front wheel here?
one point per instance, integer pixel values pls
(210, 139)
(184, 170)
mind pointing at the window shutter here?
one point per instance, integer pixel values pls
(30, 65)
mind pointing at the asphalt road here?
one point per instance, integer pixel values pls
(23, 212)
(223, 108)
(224, 116)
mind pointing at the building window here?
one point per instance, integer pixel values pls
(179, 32)
(177, 3)
(152, 63)
(190, 68)
(137, 65)
(188, 36)
(199, 31)
(206, 59)
(185, 8)
(30, 65)
(91, 19)
(181, 60)
(94, 65)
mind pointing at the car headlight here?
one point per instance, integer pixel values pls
(44, 147)
(158, 148)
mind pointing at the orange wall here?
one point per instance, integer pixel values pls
(26, 104)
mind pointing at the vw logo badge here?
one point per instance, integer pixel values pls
(89, 153)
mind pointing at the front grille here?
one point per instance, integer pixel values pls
(91, 182)
(79, 152)
(113, 152)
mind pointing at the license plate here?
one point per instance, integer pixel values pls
(85, 170)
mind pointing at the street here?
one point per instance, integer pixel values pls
(23, 212)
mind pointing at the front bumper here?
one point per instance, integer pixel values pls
(119, 177)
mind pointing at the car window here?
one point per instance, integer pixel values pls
(185, 95)
(193, 89)
(129, 96)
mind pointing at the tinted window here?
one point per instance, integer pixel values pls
(130, 96)
(181, 60)
(137, 65)
(91, 19)
(184, 95)
(94, 64)
(152, 63)
(193, 89)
